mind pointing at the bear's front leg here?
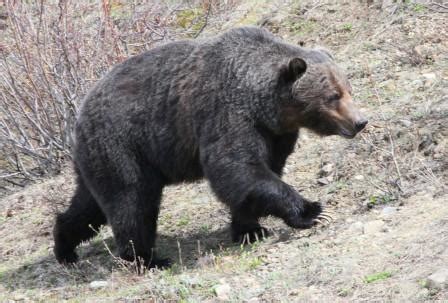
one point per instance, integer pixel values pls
(279, 199)
(239, 175)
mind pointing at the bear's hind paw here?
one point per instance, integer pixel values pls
(67, 258)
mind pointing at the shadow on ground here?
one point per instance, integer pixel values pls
(98, 263)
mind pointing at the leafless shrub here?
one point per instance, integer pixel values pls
(52, 53)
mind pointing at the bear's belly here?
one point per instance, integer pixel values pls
(183, 171)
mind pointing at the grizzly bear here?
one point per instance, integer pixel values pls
(227, 108)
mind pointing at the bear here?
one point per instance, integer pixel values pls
(226, 108)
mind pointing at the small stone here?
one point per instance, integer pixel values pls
(389, 210)
(429, 76)
(327, 168)
(20, 297)
(359, 177)
(438, 280)
(356, 227)
(323, 181)
(430, 79)
(405, 123)
(389, 85)
(438, 156)
(294, 292)
(351, 155)
(9, 213)
(417, 83)
(373, 227)
(222, 292)
(98, 284)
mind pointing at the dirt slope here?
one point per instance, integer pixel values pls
(387, 188)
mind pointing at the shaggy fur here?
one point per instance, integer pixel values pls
(227, 108)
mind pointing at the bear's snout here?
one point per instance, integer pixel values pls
(360, 125)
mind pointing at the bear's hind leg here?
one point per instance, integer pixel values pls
(132, 214)
(78, 223)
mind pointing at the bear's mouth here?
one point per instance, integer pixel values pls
(346, 133)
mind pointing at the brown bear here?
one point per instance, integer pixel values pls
(227, 108)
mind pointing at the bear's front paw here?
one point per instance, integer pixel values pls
(304, 217)
(248, 234)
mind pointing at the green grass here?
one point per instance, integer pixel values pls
(418, 8)
(347, 27)
(254, 262)
(205, 228)
(375, 200)
(377, 277)
(300, 27)
(183, 221)
(193, 19)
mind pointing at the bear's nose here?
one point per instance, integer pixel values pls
(359, 125)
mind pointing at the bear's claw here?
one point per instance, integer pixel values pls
(250, 236)
(324, 218)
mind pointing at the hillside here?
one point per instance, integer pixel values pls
(387, 187)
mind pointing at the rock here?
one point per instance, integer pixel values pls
(222, 292)
(357, 227)
(98, 284)
(359, 177)
(389, 210)
(373, 227)
(438, 280)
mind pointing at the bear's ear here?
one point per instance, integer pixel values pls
(294, 70)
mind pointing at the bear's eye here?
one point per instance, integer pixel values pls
(334, 98)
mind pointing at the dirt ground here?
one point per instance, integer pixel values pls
(387, 187)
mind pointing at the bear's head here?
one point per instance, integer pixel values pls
(319, 98)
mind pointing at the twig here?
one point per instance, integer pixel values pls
(442, 6)
(205, 21)
(391, 139)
